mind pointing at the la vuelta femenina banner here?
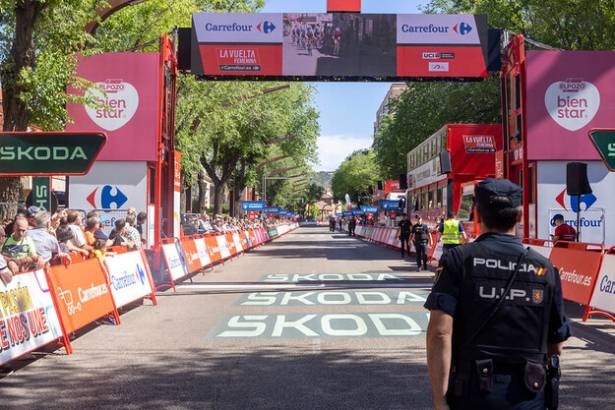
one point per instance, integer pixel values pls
(28, 319)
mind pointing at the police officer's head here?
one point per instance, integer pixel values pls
(498, 202)
(450, 215)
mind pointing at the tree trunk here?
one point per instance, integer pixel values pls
(16, 113)
(203, 188)
(218, 193)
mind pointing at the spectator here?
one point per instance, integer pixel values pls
(47, 246)
(6, 273)
(8, 228)
(31, 213)
(74, 224)
(132, 232)
(563, 231)
(20, 248)
(64, 236)
(141, 223)
(120, 234)
(93, 233)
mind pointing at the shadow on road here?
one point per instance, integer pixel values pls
(269, 378)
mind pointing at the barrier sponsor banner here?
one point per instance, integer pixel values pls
(604, 293)
(193, 261)
(544, 251)
(213, 248)
(230, 243)
(578, 270)
(82, 292)
(225, 252)
(128, 278)
(272, 233)
(175, 260)
(28, 318)
(237, 241)
(201, 250)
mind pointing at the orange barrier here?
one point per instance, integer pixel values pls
(213, 249)
(82, 294)
(230, 244)
(578, 270)
(193, 261)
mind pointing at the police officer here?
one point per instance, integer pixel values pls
(497, 315)
(452, 232)
(421, 238)
(405, 229)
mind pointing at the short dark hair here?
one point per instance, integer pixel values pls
(91, 222)
(141, 217)
(72, 216)
(119, 225)
(450, 215)
(499, 215)
(558, 217)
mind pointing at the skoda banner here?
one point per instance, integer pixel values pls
(339, 45)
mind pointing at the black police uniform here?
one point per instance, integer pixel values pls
(404, 236)
(499, 363)
(421, 234)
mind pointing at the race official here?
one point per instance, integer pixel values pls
(452, 233)
(405, 230)
(497, 316)
(421, 238)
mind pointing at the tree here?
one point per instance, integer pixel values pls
(423, 109)
(228, 128)
(38, 42)
(356, 175)
(566, 24)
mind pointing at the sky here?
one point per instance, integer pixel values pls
(347, 110)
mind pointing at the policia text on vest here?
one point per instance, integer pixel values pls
(496, 316)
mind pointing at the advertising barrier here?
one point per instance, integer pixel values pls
(174, 258)
(202, 251)
(225, 252)
(578, 270)
(82, 293)
(193, 261)
(604, 292)
(129, 278)
(38, 308)
(28, 318)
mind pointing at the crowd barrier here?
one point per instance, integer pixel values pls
(49, 305)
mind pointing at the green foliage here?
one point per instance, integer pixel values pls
(356, 175)
(423, 109)
(567, 24)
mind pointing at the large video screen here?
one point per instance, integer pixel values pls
(339, 46)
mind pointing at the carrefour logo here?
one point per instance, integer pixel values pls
(263, 27)
(573, 203)
(106, 198)
(462, 28)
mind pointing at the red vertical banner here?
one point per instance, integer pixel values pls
(177, 187)
(344, 5)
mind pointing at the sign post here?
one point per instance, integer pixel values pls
(48, 154)
(604, 141)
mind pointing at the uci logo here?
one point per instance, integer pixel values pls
(106, 198)
(266, 27)
(462, 28)
(575, 202)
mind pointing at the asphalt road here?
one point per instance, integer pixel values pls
(312, 321)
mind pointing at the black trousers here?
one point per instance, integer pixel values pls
(421, 254)
(405, 245)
